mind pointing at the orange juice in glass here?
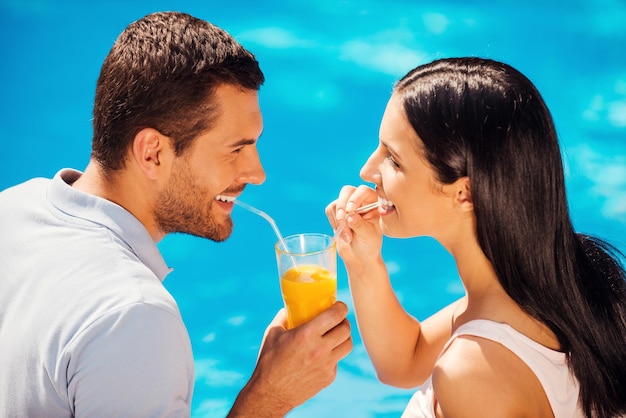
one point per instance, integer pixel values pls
(308, 275)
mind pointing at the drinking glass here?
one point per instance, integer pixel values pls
(307, 267)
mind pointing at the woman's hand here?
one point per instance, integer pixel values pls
(389, 333)
(360, 238)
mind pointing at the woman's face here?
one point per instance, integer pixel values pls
(414, 202)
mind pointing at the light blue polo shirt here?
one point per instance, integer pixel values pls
(86, 327)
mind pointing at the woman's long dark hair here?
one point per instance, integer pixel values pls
(485, 120)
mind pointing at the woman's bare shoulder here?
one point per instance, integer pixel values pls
(480, 377)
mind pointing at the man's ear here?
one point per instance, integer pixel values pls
(463, 194)
(148, 147)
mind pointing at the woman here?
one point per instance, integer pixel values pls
(468, 155)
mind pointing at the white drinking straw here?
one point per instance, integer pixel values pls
(271, 222)
(363, 209)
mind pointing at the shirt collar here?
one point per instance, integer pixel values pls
(91, 208)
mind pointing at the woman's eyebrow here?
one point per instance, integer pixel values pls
(396, 156)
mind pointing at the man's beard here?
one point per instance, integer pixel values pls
(185, 207)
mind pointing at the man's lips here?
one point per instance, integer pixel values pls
(225, 198)
(226, 201)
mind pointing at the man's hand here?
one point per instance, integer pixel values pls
(294, 365)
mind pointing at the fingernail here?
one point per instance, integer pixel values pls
(350, 207)
(340, 214)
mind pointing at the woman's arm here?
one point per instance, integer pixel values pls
(402, 349)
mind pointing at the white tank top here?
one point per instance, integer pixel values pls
(550, 367)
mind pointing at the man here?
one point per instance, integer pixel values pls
(86, 327)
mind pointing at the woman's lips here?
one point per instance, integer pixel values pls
(386, 206)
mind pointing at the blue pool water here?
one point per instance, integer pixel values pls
(330, 65)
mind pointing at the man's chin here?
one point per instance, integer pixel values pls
(220, 234)
(213, 235)
(219, 238)
(214, 232)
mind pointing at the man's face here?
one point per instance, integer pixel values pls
(205, 180)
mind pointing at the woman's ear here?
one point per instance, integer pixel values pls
(463, 194)
(147, 148)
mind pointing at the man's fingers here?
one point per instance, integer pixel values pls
(342, 350)
(326, 320)
(280, 319)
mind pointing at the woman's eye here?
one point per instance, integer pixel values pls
(392, 161)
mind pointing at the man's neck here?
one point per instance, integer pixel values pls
(123, 188)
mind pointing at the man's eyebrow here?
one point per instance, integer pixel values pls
(242, 142)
